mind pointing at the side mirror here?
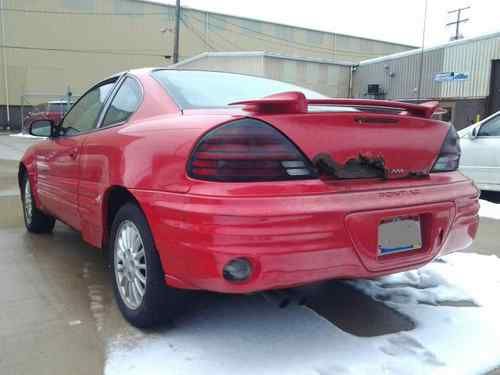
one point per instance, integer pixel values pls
(42, 128)
(474, 132)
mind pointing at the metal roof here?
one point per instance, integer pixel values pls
(429, 49)
(261, 54)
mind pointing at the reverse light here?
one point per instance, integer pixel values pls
(238, 269)
(248, 150)
(449, 156)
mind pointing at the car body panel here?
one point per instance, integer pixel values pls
(349, 136)
(294, 232)
(58, 172)
(301, 237)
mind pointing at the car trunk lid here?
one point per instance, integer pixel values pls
(353, 139)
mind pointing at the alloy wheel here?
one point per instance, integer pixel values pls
(130, 264)
(28, 202)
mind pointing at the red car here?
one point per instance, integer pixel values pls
(53, 111)
(240, 184)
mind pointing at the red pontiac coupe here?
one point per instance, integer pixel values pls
(240, 184)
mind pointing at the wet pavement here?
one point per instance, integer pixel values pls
(57, 307)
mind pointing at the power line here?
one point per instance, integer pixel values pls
(229, 42)
(282, 41)
(277, 37)
(315, 49)
(198, 35)
(72, 50)
(277, 40)
(71, 13)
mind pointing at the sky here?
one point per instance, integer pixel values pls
(398, 21)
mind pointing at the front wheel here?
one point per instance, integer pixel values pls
(138, 278)
(34, 219)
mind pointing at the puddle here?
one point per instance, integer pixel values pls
(355, 312)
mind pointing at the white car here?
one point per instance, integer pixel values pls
(480, 159)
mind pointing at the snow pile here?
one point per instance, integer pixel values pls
(454, 303)
(489, 209)
(26, 135)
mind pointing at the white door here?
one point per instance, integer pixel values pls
(481, 155)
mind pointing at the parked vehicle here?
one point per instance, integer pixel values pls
(480, 152)
(53, 111)
(197, 180)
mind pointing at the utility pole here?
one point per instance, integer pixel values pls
(421, 72)
(457, 22)
(175, 57)
(4, 63)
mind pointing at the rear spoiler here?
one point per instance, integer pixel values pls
(296, 102)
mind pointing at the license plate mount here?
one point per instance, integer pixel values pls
(399, 234)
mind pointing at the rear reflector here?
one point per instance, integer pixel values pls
(248, 150)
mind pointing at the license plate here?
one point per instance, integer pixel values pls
(397, 235)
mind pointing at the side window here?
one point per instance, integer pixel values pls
(490, 128)
(124, 104)
(84, 114)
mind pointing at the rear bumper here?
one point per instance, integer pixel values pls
(299, 239)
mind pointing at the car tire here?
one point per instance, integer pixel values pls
(34, 219)
(145, 301)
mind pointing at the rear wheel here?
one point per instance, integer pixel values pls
(34, 219)
(138, 278)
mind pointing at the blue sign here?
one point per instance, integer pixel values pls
(450, 76)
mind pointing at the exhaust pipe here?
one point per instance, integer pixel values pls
(277, 298)
(283, 298)
(296, 297)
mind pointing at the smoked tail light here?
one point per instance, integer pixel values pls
(248, 150)
(449, 156)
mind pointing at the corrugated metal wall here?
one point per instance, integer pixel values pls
(473, 58)
(50, 51)
(398, 76)
(253, 65)
(328, 79)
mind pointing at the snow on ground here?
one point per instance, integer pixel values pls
(453, 302)
(13, 148)
(24, 135)
(489, 209)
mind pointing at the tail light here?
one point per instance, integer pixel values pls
(248, 150)
(449, 156)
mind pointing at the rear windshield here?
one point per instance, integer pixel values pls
(199, 89)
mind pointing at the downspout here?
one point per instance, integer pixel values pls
(352, 69)
(4, 63)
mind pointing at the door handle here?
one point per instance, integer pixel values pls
(73, 153)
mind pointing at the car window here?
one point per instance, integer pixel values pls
(490, 128)
(124, 104)
(203, 89)
(84, 114)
